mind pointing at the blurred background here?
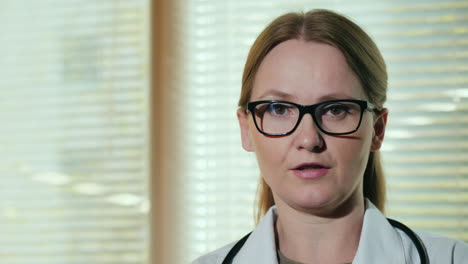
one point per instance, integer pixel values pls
(119, 141)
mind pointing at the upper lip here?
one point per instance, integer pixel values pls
(312, 165)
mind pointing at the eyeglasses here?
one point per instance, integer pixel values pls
(334, 117)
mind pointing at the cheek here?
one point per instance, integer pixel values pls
(355, 147)
(352, 153)
(270, 152)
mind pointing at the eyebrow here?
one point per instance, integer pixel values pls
(290, 97)
(278, 94)
(336, 97)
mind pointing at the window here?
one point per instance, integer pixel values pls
(74, 121)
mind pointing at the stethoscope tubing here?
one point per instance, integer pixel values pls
(413, 236)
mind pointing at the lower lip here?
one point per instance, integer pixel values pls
(310, 174)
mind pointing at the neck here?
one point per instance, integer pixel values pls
(325, 238)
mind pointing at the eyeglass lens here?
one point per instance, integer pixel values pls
(277, 118)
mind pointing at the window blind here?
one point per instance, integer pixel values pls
(425, 44)
(73, 133)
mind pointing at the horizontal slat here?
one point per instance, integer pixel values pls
(430, 211)
(430, 5)
(461, 185)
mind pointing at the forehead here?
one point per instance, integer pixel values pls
(305, 72)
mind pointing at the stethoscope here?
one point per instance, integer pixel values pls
(415, 238)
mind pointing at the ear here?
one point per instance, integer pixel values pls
(243, 118)
(380, 123)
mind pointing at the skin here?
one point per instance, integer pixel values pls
(314, 214)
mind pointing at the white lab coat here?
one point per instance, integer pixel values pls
(380, 243)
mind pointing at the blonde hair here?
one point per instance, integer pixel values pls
(361, 54)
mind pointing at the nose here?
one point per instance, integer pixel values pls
(308, 136)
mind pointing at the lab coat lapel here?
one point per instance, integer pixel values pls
(260, 248)
(379, 242)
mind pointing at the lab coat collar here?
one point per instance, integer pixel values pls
(261, 245)
(379, 241)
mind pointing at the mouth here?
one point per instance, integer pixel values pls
(310, 166)
(310, 171)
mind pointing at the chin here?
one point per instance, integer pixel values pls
(319, 201)
(313, 199)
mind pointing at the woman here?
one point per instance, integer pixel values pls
(311, 109)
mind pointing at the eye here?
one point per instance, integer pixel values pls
(336, 109)
(278, 109)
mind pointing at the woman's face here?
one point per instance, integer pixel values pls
(308, 169)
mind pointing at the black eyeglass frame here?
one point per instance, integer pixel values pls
(310, 109)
